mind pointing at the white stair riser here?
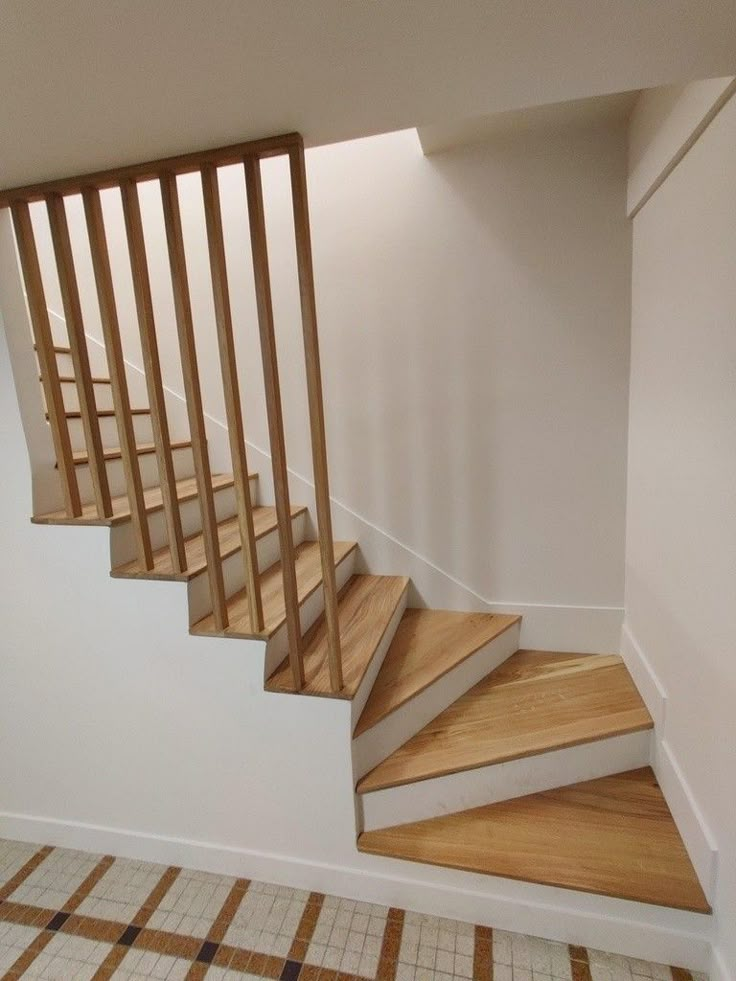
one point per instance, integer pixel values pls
(504, 781)
(381, 740)
(183, 467)
(70, 392)
(278, 646)
(122, 541)
(360, 698)
(233, 569)
(109, 431)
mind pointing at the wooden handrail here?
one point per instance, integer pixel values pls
(259, 248)
(47, 356)
(152, 371)
(231, 389)
(190, 372)
(116, 366)
(185, 163)
(316, 408)
(80, 356)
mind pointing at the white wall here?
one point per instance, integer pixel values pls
(681, 519)
(474, 314)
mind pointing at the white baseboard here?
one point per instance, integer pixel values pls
(719, 970)
(699, 841)
(646, 932)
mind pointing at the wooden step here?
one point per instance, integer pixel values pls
(71, 380)
(309, 577)
(366, 606)
(186, 490)
(103, 413)
(536, 701)
(264, 522)
(81, 459)
(58, 349)
(614, 837)
(427, 645)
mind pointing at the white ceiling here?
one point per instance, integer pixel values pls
(598, 110)
(86, 84)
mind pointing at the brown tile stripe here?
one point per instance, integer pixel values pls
(483, 954)
(21, 965)
(144, 914)
(31, 865)
(389, 958)
(579, 963)
(306, 928)
(680, 974)
(219, 928)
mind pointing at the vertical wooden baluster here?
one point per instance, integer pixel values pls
(231, 389)
(190, 372)
(152, 368)
(80, 355)
(316, 408)
(46, 355)
(256, 219)
(119, 384)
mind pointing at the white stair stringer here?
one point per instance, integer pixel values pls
(378, 742)
(463, 790)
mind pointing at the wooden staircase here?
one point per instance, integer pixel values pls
(469, 752)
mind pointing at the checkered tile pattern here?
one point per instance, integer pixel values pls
(71, 915)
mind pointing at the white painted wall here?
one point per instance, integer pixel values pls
(681, 520)
(474, 314)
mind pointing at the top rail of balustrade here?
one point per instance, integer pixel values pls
(187, 163)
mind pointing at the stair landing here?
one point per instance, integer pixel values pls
(614, 837)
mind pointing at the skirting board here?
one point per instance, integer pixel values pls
(646, 932)
(718, 968)
(699, 840)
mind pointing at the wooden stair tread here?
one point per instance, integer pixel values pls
(186, 490)
(613, 836)
(427, 644)
(103, 413)
(58, 349)
(536, 701)
(264, 521)
(308, 575)
(71, 380)
(366, 605)
(115, 453)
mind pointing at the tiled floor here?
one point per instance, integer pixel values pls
(67, 915)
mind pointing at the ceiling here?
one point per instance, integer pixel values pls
(87, 84)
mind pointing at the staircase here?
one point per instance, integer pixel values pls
(469, 752)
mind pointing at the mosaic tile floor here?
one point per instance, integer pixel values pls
(71, 915)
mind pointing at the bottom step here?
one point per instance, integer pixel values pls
(614, 836)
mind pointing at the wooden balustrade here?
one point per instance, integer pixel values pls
(125, 180)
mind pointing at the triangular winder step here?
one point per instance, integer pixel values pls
(536, 701)
(613, 836)
(366, 608)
